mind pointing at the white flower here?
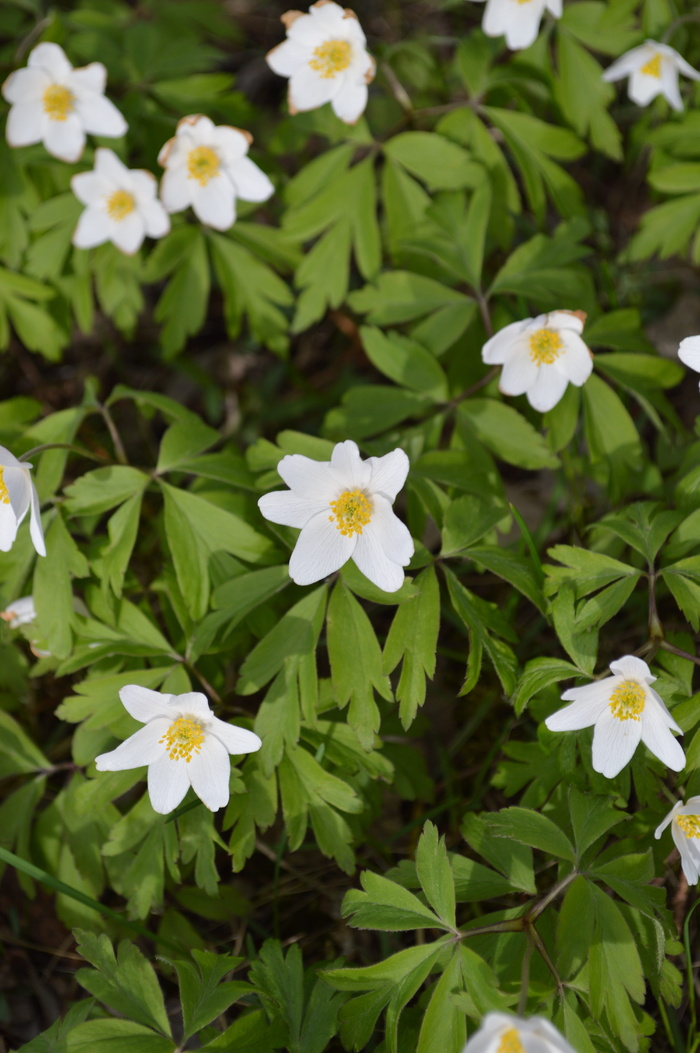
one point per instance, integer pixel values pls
(20, 612)
(689, 352)
(122, 206)
(517, 20)
(206, 167)
(17, 495)
(504, 1033)
(343, 507)
(540, 356)
(624, 709)
(685, 830)
(653, 70)
(54, 104)
(326, 60)
(182, 743)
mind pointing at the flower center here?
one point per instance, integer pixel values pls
(545, 345)
(627, 701)
(510, 1039)
(351, 512)
(120, 204)
(652, 68)
(4, 494)
(203, 164)
(183, 738)
(331, 57)
(58, 102)
(689, 824)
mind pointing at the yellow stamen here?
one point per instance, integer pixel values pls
(689, 824)
(120, 204)
(510, 1039)
(203, 164)
(4, 494)
(627, 701)
(523, 1)
(58, 102)
(652, 68)
(331, 57)
(183, 738)
(545, 346)
(351, 512)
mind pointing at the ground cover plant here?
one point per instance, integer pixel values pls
(349, 515)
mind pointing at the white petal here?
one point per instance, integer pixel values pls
(550, 385)
(690, 859)
(308, 89)
(19, 612)
(176, 189)
(19, 488)
(8, 527)
(657, 737)
(285, 507)
(155, 219)
(642, 88)
(26, 86)
(214, 204)
(52, 58)
(143, 747)
(519, 373)
(91, 188)
(168, 783)
(392, 535)
(286, 58)
(236, 740)
(209, 772)
(190, 704)
(128, 233)
(250, 182)
(110, 168)
(94, 228)
(320, 550)
(36, 531)
(565, 320)
(554, 7)
(668, 719)
(90, 79)
(614, 742)
(669, 818)
(231, 144)
(585, 709)
(576, 363)
(144, 704)
(144, 185)
(685, 68)
(100, 116)
(8, 460)
(496, 350)
(351, 472)
(376, 566)
(628, 63)
(350, 102)
(388, 473)
(669, 83)
(633, 668)
(308, 478)
(65, 139)
(689, 352)
(523, 25)
(26, 123)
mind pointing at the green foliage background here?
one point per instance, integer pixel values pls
(480, 188)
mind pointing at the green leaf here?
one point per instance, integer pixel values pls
(538, 674)
(591, 817)
(586, 571)
(482, 620)
(405, 362)
(388, 907)
(510, 858)
(182, 442)
(402, 296)
(53, 587)
(204, 997)
(390, 971)
(515, 569)
(439, 163)
(507, 433)
(466, 521)
(18, 754)
(116, 1036)
(104, 488)
(294, 635)
(531, 828)
(683, 580)
(444, 1028)
(253, 289)
(413, 636)
(356, 663)
(126, 983)
(435, 874)
(122, 529)
(183, 304)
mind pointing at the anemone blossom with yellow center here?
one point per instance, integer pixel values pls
(505, 1033)
(623, 709)
(54, 104)
(326, 60)
(517, 20)
(653, 70)
(206, 167)
(183, 744)
(343, 507)
(685, 830)
(540, 356)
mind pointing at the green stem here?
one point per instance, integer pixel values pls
(61, 446)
